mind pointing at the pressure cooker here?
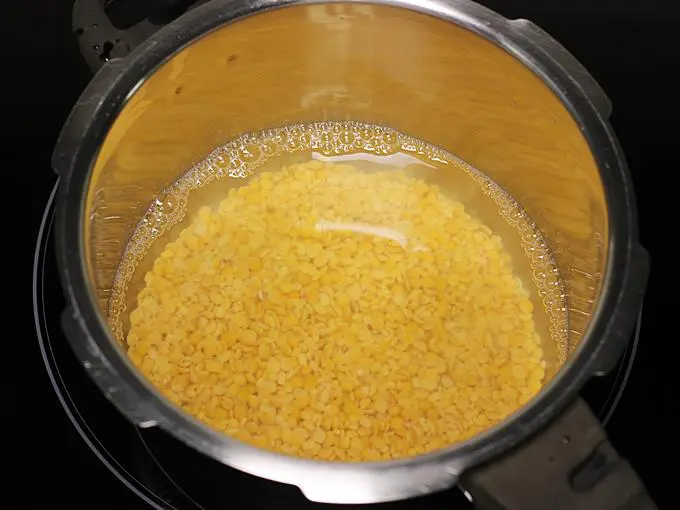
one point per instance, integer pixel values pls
(501, 94)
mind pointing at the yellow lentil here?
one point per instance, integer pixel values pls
(339, 315)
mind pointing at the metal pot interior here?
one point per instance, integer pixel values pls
(415, 73)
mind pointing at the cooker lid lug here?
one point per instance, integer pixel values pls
(545, 43)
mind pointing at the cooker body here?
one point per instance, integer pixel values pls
(499, 94)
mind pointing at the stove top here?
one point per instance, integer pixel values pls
(82, 453)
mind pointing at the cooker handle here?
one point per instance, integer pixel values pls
(111, 29)
(569, 465)
(545, 43)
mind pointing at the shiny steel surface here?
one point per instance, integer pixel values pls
(500, 94)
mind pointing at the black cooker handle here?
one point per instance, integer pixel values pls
(569, 465)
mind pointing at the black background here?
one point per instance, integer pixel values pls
(631, 47)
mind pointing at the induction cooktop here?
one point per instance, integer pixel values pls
(84, 454)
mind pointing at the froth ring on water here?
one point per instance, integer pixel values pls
(239, 158)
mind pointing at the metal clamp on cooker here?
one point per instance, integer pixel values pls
(501, 94)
